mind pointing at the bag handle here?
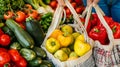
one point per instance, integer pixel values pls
(108, 30)
(77, 20)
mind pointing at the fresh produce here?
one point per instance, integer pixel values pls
(116, 29)
(14, 54)
(35, 30)
(6, 5)
(61, 55)
(15, 45)
(5, 40)
(52, 45)
(33, 13)
(75, 34)
(72, 44)
(46, 20)
(56, 33)
(40, 52)
(53, 4)
(20, 17)
(72, 56)
(21, 63)
(22, 36)
(16, 58)
(8, 15)
(28, 54)
(67, 29)
(40, 6)
(81, 47)
(99, 33)
(35, 62)
(66, 50)
(46, 63)
(8, 31)
(65, 40)
(4, 57)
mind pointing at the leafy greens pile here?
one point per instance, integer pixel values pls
(6, 5)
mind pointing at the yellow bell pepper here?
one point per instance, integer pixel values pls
(56, 33)
(52, 45)
(81, 48)
(65, 40)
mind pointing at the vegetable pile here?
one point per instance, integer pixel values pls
(23, 27)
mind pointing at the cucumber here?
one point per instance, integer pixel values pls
(15, 45)
(35, 62)
(28, 54)
(40, 52)
(22, 36)
(35, 30)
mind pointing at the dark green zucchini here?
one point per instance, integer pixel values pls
(35, 30)
(22, 36)
(35, 62)
(28, 54)
(46, 63)
(40, 52)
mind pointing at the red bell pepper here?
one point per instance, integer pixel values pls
(109, 20)
(116, 29)
(99, 33)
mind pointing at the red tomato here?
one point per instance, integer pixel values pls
(20, 17)
(14, 54)
(53, 4)
(4, 58)
(79, 10)
(8, 15)
(5, 40)
(22, 62)
(74, 4)
(28, 6)
(1, 32)
(33, 13)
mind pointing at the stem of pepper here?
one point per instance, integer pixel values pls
(53, 43)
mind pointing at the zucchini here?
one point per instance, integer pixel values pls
(28, 54)
(35, 30)
(22, 36)
(46, 63)
(15, 45)
(35, 62)
(40, 52)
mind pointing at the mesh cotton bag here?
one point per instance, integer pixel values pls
(83, 61)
